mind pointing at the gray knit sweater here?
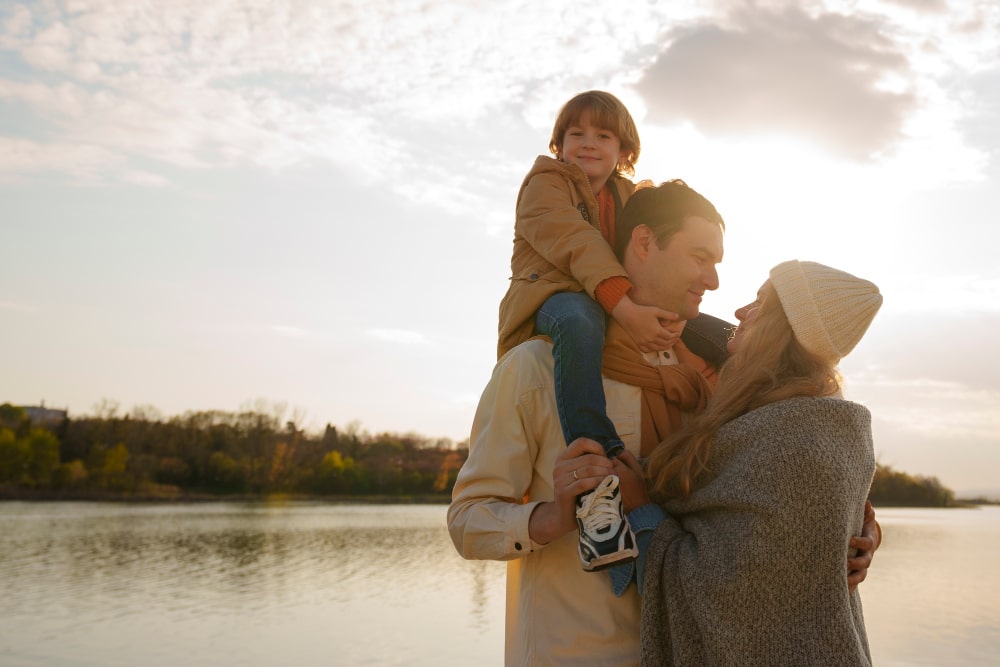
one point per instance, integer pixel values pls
(749, 570)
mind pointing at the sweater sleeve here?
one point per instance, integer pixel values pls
(609, 292)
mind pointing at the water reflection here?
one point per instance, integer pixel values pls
(200, 584)
(931, 597)
(315, 584)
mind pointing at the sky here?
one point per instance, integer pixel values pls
(306, 206)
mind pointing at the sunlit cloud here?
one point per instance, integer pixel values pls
(398, 336)
(13, 305)
(963, 422)
(940, 408)
(968, 293)
(291, 332)
(465, 399)
(220, 84)
(145, 179)
(20, 159)
(784, 72)
(933, 388)
(858, 84)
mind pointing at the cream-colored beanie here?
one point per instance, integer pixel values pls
(829, 310)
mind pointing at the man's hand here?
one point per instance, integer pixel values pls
(579, 468)
(651, 328)
(866, 544)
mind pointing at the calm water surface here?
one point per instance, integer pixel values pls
(318, 584)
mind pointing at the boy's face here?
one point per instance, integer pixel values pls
(597, 151)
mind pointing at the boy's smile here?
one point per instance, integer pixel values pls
(597, 151)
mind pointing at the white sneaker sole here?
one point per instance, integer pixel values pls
(611, 559)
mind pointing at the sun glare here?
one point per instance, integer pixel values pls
(782, 198)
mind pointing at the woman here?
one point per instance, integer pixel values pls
(776, 470)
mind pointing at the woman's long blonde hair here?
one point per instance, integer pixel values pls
(770, 365)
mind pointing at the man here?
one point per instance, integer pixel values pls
(515, 497)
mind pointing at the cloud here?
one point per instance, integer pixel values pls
(218, 83)
(144, 179)
(949, 294)
(13, 305)
(983, 109)
(467, 400)
(17, 22)
(839, 81)
(382, 92)
(20, 158)
(906, 349)
(928, 6)
(189, 84)
(291, 332)
(401, 336)
(939, 408)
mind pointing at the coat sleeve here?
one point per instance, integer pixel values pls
(488, 516)
(556, 230)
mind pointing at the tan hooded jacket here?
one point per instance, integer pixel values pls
(558, 246)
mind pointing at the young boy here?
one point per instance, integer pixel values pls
(566, 279)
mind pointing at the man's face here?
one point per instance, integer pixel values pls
(676, 276)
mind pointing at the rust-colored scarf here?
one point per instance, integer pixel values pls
(606, 215)
(669, 393)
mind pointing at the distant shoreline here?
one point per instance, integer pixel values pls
(28, 495)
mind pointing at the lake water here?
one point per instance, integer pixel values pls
(106, 584)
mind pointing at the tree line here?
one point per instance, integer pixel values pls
(215, 453)
(892, 487)
(253, 453)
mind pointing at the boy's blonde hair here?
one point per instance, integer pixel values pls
(607, 112)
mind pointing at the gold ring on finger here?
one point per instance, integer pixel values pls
(575, 477)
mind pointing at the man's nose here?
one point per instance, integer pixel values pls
(711, 279)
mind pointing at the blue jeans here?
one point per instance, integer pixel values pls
(576, 323)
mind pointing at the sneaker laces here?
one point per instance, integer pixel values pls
(599, 509)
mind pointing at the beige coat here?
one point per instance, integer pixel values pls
(557, 614)
(556, 249)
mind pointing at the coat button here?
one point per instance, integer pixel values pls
(517, 545)
(534, 276)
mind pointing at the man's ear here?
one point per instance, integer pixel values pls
(642, 241)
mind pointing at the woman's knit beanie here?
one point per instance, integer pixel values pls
(829, 310)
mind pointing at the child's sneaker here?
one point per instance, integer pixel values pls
(606, 539)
